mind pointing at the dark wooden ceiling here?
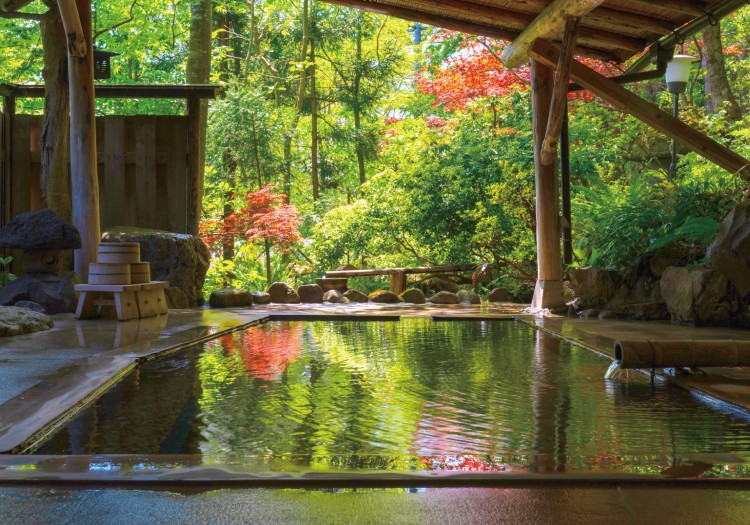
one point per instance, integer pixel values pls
(616, 30)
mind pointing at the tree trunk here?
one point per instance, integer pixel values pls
(719, 92)
(357, 117)
(198, 71)
(54, 180)
(267, 250)
(84, 181)
(314, 126)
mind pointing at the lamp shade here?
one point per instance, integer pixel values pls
(678, 72)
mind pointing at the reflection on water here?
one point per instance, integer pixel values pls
(409, 395)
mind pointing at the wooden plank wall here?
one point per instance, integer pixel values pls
(142, 168)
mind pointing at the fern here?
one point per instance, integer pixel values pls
(697, 230)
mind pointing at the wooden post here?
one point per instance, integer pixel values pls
(398, 282)
(565, 187)
(548, 292)
(195, 170)
(560, 92)
(76, 17)
(9, 114)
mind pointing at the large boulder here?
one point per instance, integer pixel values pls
(499, 295)
(729, 253)
(54, 292)
(468, 297)
(444, 297)
(385, 297)
(356, 296)
(230, 298)
(310, 293)
(283, 293)
(176, 298)
(594, 286)
(413, 295)
(39, 230)
(178, 258)
(17, 321)
(333, 296)
(697, 295)
(261, 297)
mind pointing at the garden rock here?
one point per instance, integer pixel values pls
(283, 293)
(333, 296)
(594, 286)
(386, 297)
(176, 298)
(468, 297)
(40, 230)
(696, 295)
(55, 293)
(17, 321)
(261, 297)
(229, 298)
(729, 253)
(355, 296)
(499, 295)
(413, 295)
(647, 311)
(31, 305)
(310, 293)
(178, 258)
(444, 297)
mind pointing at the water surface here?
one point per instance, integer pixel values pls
(413, 394)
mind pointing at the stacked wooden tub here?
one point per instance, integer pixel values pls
(120, 281)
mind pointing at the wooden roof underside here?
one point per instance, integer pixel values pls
(616, 30)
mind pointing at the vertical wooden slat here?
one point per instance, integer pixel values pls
(195, 170)
(145, 171)
(36, 122)
(114, 172)
(164, 127)
(177, 177)
(21, 168)
(9, 107)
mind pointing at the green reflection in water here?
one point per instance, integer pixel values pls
(411, 395)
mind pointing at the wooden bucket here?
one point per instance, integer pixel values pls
(140, 272)
(119, 252)
(109, 273)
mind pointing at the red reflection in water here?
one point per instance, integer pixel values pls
(266, 351)
(466, 463)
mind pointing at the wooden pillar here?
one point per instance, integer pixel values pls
(195, 170)
(565, 187)
(398, 282)
(548, 292)
(76, 16)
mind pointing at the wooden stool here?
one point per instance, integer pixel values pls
(130, 301)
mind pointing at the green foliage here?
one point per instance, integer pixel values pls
(5, 275)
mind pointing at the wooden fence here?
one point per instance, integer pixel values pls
(143, 170)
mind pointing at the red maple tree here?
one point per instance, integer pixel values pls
(264, 216)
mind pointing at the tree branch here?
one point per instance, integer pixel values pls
(118, 24)
(36, 17)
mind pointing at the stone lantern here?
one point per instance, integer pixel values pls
(43, 236)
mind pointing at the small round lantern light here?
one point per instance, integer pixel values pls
(678, 73)
(102, 66)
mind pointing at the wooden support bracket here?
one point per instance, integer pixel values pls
(649, 113)
(73, 29)
(560, 91)
(549, 24)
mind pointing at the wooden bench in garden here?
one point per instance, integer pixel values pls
(398, 275)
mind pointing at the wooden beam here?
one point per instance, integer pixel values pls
(174, 91)
(567, 235)
(560, 91)
(550, 23)
(691, 8)
(548, 292)
(464, 27)
(83, 165)
(649, 113)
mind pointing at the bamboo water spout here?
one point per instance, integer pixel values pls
(684, 354)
